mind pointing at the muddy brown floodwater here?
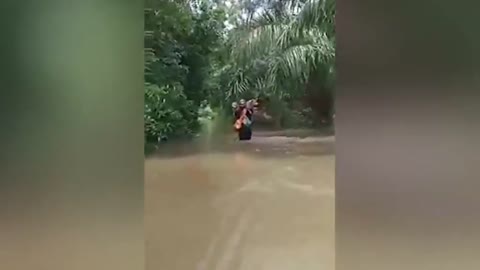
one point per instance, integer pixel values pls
(267, 204)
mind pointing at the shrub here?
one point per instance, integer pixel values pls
(168, 113)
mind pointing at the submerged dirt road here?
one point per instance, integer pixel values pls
(263, 205)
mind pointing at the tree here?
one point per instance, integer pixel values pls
(286, 49)
(214, 50)
(182, 40)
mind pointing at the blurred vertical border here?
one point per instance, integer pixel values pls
(71, 177)
(407, 135)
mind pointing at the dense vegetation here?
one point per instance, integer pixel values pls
(216, 51)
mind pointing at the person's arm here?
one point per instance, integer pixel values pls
(249, 113)
(237, 114)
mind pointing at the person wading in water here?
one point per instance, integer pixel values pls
(243, 121)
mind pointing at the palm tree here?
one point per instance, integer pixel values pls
(280, 50)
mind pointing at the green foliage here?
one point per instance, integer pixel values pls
(203, 46)
(198, 50)
(182, 44)
(294, 45)
(282, 50)
(168, 113)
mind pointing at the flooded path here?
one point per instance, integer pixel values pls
(261, 205)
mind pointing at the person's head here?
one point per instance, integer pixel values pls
(242, 103)
(234, 105)
(252, 103)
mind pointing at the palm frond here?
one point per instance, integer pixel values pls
(258, 42)
(294, 45)
(263, 84)
(317, 13)
(238, 85)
